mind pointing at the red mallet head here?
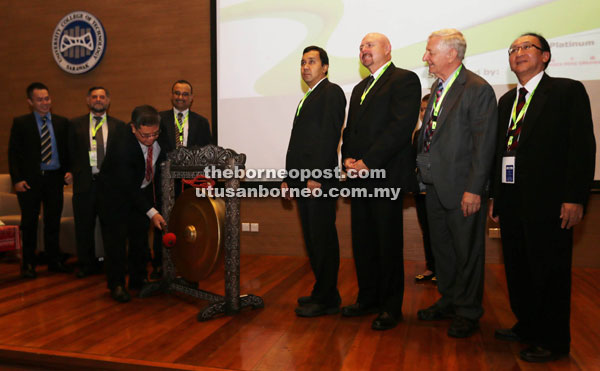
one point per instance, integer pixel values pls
(169, 239)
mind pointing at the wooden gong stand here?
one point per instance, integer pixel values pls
(187, 163)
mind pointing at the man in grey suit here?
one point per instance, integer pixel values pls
(455, 154)
(91, 137)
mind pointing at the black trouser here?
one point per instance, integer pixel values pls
(317, 216)
(85, 211)
(47, 190)
(537, 260)
(458, 245)
(377, 244)
(121, 258)
(424, 223)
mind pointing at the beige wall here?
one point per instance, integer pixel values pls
(150, 44)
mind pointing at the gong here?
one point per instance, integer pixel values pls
(198, 224)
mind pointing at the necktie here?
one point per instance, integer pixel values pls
(46, 142)
(515, 130)
(429, 129)
(99, 142)
(179, 134)
(149, 164)
(370, 80)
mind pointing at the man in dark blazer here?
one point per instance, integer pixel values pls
(316, 132)
(455, 155)
(37, 160)
(544, 169)
(183, 128)
(128, 194)
(91, 137)
(383, 110)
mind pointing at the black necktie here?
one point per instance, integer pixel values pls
(370, 80)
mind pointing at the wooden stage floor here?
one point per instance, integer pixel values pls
(59, 322)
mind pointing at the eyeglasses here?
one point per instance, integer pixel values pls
(524, 47)
(177, 93)
(149, 135)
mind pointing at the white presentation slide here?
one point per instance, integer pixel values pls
(260, 43)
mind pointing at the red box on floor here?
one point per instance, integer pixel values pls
(10, 238)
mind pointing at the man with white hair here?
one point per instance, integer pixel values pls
(455, 154)
(383, 110)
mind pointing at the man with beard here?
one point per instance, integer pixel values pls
(91, 137)
(383, 110)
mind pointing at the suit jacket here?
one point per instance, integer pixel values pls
(316, 133)
(379, 131)
(462, 147)
(79, 146)
(198, 132)
(555, 159)
(122, 175)
(24, 147)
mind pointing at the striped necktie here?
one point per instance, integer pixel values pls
(429, 129)
(178, 134)
(46, 142)
(516, 132)
(149, 163)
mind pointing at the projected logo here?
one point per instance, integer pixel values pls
(78, 42)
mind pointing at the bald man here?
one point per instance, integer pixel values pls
(383, 110)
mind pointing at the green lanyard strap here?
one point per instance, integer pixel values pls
(362, 98)
(438, 104)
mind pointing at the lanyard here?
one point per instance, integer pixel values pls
(514, 116)
(180, 125)
(302, 101)
(96, 128)
(438, 104)
(518, 118)
(362, 98)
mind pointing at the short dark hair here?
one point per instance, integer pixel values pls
(98, 88)
(322, 53)
(425, 97)
(544, 44)
(33, 86)
(144, 116)
(183, 82)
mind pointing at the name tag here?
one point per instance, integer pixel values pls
(93, 158)
(508, 169)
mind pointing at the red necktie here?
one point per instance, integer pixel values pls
(515, 133)
(149, 164)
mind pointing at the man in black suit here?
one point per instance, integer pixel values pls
(316, 132)
(128, 191)
(38, 159)
(91, 136)
(183, 128)
(545, 162)
(383, 110)
(455, 155)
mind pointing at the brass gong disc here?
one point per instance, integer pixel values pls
(198, 224)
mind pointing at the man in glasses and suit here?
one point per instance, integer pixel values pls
(545, 161)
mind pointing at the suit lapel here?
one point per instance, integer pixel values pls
(451, 99)
(310, 98)
(535, 108)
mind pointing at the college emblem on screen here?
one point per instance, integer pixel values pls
(78, 42)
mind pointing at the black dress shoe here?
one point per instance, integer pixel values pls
(434, 313)
(462, 327)
(59, 267)
(156, 274)
(506, 334)
(384, 321)
(315, 310)
(120, 294)
(303, 300)
(28, 271)
(539, 354)
(356, 309)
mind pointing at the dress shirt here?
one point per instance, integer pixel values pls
(104, 129)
